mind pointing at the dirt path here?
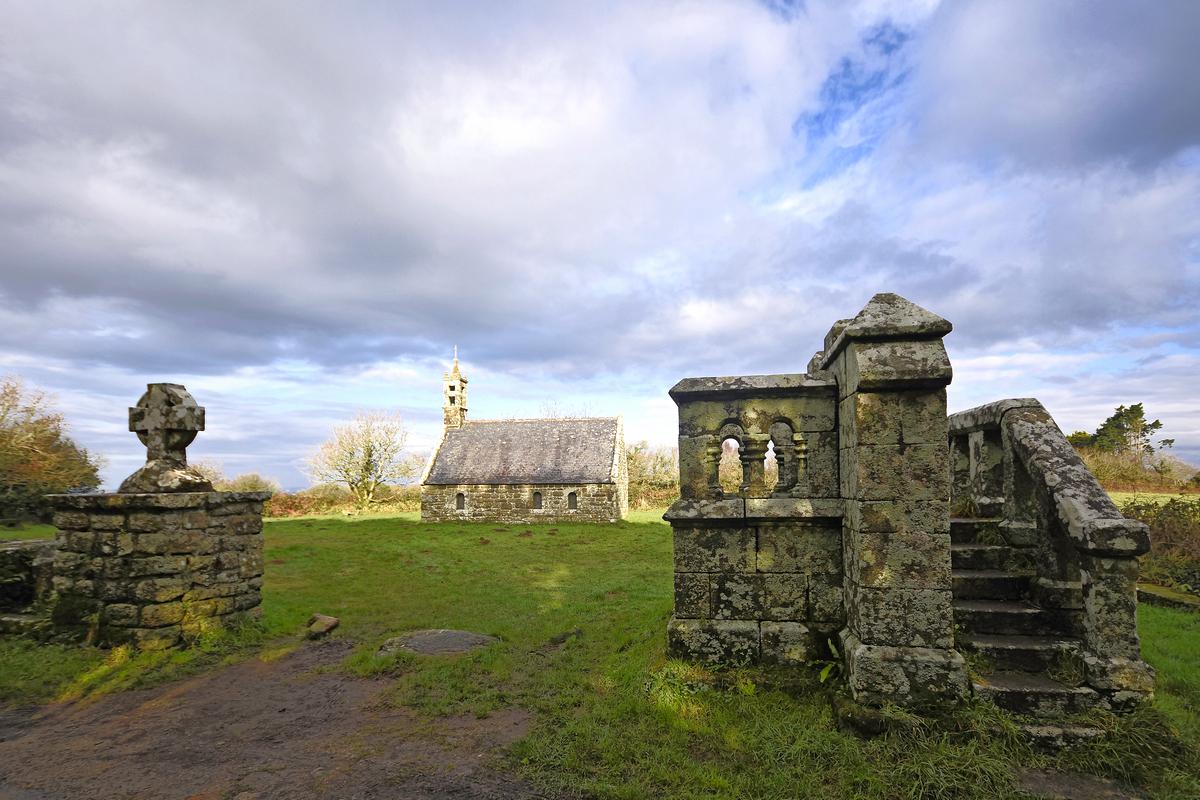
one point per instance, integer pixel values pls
(254, 731)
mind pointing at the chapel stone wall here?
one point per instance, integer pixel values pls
(595, 502)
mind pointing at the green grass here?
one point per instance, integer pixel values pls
(27, 531)
(1121, 498)
(615, 718)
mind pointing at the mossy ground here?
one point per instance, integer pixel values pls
(581, 611)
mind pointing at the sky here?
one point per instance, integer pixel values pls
(297, 209)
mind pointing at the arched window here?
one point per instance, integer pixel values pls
(771, 468)
(572, 501)
(537, 499)
(460, 501)
(729, 470)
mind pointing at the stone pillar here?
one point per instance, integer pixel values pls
(166, 557)
(892, 369)
(155, 569)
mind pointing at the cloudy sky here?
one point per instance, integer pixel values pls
(297, 209)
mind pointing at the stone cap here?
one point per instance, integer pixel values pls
(755, 509)
(987, 416)
(886, 316)
(784, 385)
(97, 501)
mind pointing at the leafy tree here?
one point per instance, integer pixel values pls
(364, 455)
(1128, 432)
(246, 482)
(36, 455)
(653, 474)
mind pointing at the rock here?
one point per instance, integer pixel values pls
(320, 625)
(439, 642)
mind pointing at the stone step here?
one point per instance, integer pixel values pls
(1012, 617)
(973, 555)
(17, 624)
(1053, 738)
(1034, 695)
(988, 584)
(1020, 653)
(983, 530)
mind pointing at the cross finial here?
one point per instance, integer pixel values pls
(166, 419)
(456, 354)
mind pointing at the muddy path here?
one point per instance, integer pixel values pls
(253, 731)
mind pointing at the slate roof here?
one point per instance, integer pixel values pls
(515, 451)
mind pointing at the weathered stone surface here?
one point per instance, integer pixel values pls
(714, 549)
(899, 516)
(799, 548)
(166, 420)
(441, 642)
(905, 417)
(903, 559)
(26, 572)
(879, 674)
(891, 472)
(826, 599)
(156, 568)
(760, 596)
(786, 644)
(595, 502)
(693, 593)
(724, 642)
(895, 366)
(902, 617)
(320, 625)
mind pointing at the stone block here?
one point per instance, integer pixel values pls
(826, 601)
(157, 615)
(106, 522)
(699, 549)
(799, 548)
(901, 617)
(774, 596)
(160, 590)
(904, 417)
(70, 521)
(176, 542)
(723, 642)
(819, 478)
(899, 516)
(893, 472)
(785, 644)
(895, 365)
(906, 559)
(694, 470)
(123, 615)
(910, 676)
(692, 595)
(1110, 607)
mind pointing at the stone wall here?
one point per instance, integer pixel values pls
(597, 502)
(26, 568)
(758, 572)
(755, 590)
(155, 569)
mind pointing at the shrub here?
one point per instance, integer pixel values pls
(328, 499)
(1174, 557)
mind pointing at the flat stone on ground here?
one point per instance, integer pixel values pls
(440, 642)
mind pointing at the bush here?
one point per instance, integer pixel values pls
(328, 499)
(1122, 473)
(1174, 557)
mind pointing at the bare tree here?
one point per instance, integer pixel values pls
(364, 455)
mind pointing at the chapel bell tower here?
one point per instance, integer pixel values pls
(454, 391)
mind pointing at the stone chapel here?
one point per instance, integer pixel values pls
(523, 470)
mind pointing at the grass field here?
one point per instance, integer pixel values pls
(27, 531)
(582, 612)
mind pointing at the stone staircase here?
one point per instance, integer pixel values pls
(1024, 655)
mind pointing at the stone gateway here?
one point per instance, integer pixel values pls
(523, 470)
(855, 544)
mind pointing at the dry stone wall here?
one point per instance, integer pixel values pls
(595, 502)
(155, 569)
